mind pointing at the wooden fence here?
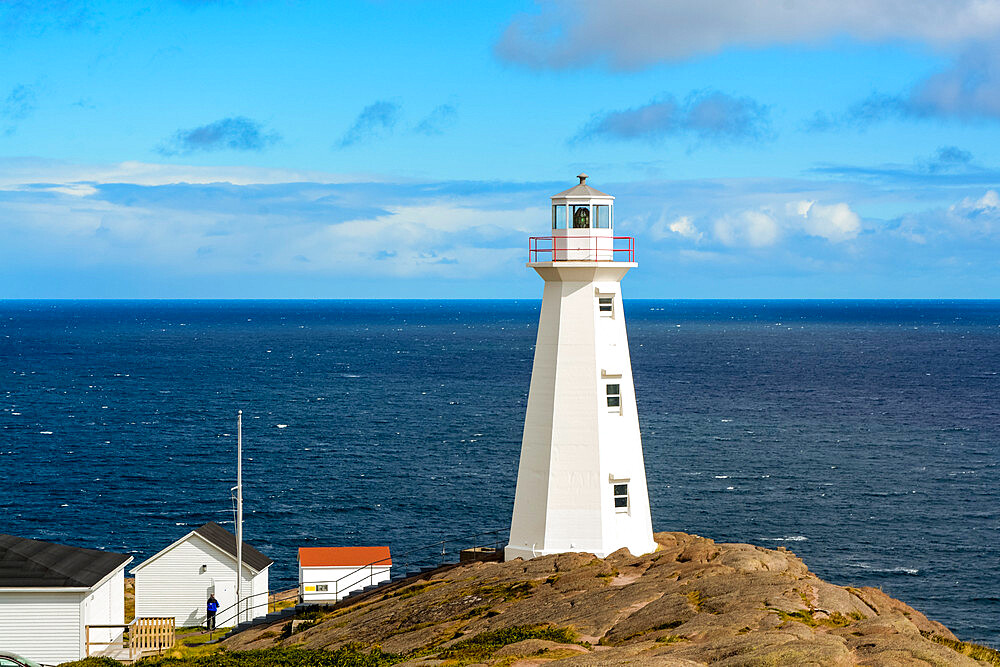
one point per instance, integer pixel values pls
(151, 634)
(142, 635)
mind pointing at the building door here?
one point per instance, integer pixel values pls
(225, 592)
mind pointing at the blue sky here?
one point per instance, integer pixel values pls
(399, 148)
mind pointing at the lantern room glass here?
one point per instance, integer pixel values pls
(581, 217)
(559, 216)
(602, 216)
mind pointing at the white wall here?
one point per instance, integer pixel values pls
(43, 626)
(621, 442)
(340, 581)
(572, 443)
(105, 606)
(261, 589)
(174, 584)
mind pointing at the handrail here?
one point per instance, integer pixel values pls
(236, 615)
(370, 566)
(441, 543)
(580, 248)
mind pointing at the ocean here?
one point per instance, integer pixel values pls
(862, 435)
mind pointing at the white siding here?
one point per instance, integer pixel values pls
(574, 448)
(339, 581)
(260, 592)
(46, 627)
(105, 606)
(174, 584)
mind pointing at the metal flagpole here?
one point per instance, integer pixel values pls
(239, 511)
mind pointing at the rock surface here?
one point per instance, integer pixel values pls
(692, 602)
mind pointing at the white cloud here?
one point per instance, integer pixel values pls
(685, 228)
(756, 229)
(396, 235)
(219, 220)
(766, 226)
(298, 228)
(836, 222)
(704, 256)
(976, 217)
(15, 172)
(972, 223)
(989, 201)
(438, 239)
(627, 35)
(74, 189)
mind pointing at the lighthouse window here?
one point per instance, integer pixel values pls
(614, 396)
(606, 306)
(559, 216)
(603, 217)
(581, 217)
(621, 497)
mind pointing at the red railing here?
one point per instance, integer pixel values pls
(581, 248)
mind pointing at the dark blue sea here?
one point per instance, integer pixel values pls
(862, 435)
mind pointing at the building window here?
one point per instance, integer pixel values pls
(322, 588)
(581, 217)
(614, 396)
(621, 497)
(559, 216)
(606, 306)
(602, 214)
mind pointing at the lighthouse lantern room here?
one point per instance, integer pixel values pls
(582, 220)
(581, 480)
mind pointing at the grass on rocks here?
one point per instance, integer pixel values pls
(483, 645)
(697, 599)
(807, 617)
(506, 592)
(347, 656)
(974, 651)
(474, 649)
(410, 591)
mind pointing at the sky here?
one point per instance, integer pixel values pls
(408, 148)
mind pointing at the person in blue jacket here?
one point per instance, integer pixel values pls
(213, 606)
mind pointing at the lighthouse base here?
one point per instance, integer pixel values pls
(510, 552)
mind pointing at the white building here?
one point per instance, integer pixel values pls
(177, 581)
(581, 481)
(50, 593)
(328, 574)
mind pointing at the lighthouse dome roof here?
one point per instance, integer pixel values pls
(581, 190)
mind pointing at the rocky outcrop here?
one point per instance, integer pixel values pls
(692, 602)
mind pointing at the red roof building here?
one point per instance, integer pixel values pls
(328, 574)
(344, 556)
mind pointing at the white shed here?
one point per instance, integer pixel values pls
(328, 574)
(177, 581)
(50, 593)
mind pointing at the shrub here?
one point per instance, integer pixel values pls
(975, 651)
(486, 644)
(346, 656)
(506, 592)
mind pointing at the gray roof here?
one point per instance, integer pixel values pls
(28, 563)
(226, 541)
(581, 190)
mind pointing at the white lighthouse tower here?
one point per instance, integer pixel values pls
(581, 482)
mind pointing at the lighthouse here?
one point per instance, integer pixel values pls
(581, 481)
